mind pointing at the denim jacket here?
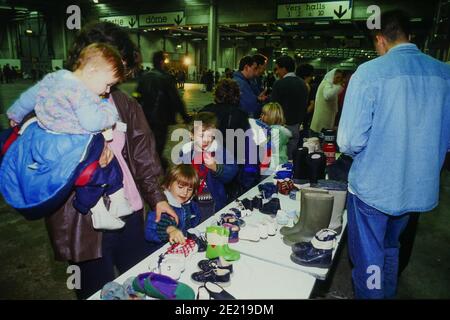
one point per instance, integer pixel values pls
(249, 100)
(396, 126)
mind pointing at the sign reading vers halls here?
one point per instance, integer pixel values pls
(335, 10)
(162, 19)
(123, 21)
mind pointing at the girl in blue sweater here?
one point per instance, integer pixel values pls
(179, 185)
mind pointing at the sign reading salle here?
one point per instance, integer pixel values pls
(164, 18)
(335, 10)
(123, 21)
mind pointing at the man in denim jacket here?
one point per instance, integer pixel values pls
(396, 126)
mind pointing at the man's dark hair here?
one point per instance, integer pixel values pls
(158, 58)
(286, 62)
(246, 61)
(395, 25)
(109, 33)
(304, 70)
(260, 59)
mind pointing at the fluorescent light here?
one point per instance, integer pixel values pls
(322, 22)
(95, 1)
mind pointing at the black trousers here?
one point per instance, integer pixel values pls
(121, 249)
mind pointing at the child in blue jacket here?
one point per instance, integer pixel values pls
(179, 185)
(214, 166)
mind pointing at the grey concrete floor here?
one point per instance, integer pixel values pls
(28, 270)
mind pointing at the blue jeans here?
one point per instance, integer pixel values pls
(373, 242)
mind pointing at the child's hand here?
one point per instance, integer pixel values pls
(210, 162)
(175, 235)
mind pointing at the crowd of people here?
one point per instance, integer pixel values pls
(388, 118)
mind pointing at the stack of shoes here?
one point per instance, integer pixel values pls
(162, 287)
(285, 186)
(267, 189)
(250, 232)
(218, 244)
(271, 207)
(231, 218)
(198, 237)
(187, 249)
(284, 171)
(241, 212)
(257, 203)
(234, 232)
(114, 291)
(213, 291)
(316, 253)
(282, 218)
(315, 215)
(339, 191)
(171, 265)
(261, 230)
(216, 270)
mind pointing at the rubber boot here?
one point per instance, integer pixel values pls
(218, 244)
(340, 198)
(317, 208)
(231, 254)
(301, 222)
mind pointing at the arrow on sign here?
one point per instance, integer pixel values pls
(178, 20)
(132, 22)
(341, 13)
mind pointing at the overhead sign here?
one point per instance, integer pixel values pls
(335, 10)
(123, 21)
(162, 19)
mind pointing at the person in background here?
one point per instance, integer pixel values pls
(291, 93)
(398, 134)
(161, 102)
(273, 116)
(306, 72)
(250, 102)
(326, 104)
(257, 81)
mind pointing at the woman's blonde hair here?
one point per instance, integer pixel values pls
(273, 114)
(184, 174)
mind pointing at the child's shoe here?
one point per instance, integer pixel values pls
(103, 220)
(119, 206)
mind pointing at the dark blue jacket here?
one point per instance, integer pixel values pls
(188, 215)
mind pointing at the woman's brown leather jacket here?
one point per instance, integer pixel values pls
(71, 234)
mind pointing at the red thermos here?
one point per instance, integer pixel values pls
(329, 149)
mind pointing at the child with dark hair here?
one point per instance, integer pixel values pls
(210, 161)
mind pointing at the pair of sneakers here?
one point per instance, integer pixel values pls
(216, 270)
(104, 219)
(170, 265)
(261, 230)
